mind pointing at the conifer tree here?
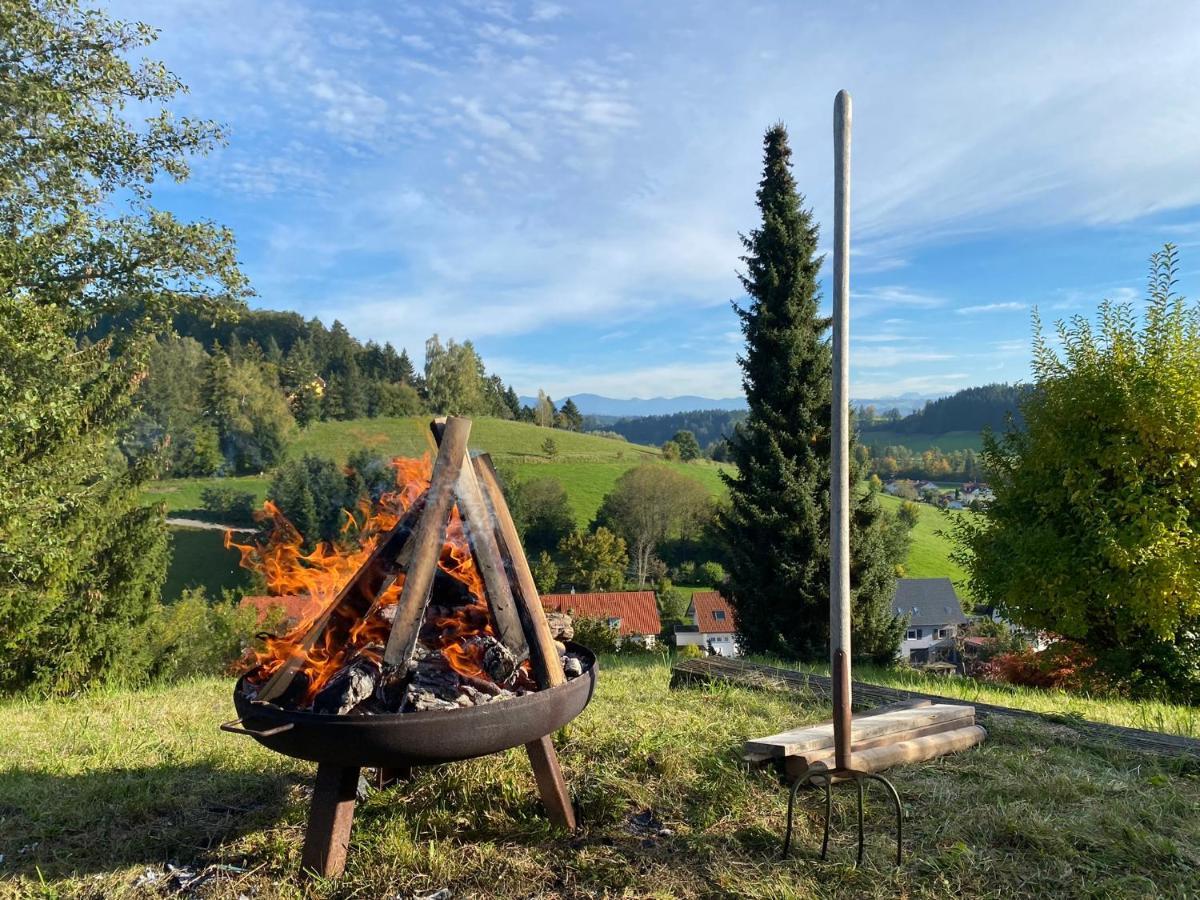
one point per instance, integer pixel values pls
(776, 527)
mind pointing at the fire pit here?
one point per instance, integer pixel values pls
(433, 648)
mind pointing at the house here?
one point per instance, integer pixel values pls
(934, 616)
(711, 627)
(633, 614)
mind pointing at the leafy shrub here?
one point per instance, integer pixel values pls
(194, 637)
(1064, 665)
(228, 505)
(596, 634)
(712, 573)
(690, 651)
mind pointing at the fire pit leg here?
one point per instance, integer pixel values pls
(329, 820)
(551, 785)
(385, 778)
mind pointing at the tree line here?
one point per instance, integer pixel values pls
(971, 409)
(709, 427)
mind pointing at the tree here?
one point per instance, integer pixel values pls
(85, 133)
(543, 412)
(650, 503)
(670, 451)
(689, 447)
(542, 513)
(550, 447)
(594, 561)
(545, 572)
(454, 378)
(569, 417)
(1093, 533)
(257, 425)
(775, 529)
(909, 514)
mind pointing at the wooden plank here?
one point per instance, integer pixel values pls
(820, 737)
(352, 601)
(544, 658)
(329, 819)
(427, 541)
(485, 548)
(550, 782)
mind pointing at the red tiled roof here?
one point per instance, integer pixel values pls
(295, 606)
(637, 610)
(706, 603)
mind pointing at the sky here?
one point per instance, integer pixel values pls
(564, 184)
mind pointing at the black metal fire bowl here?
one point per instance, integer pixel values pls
(418, 738)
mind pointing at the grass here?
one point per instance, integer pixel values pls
(199, 559)
(95, 790)
(919, 443)
(182, 495)
(929, 555)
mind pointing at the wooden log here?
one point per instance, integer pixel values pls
(352, 601)
(481, 535)
(544, 658)
(550, 782)
(821, 737)
(329, 819)
(427, 542)
(879, 759)
(795, 766)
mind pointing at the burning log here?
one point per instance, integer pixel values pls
(572, 666)
(547, 666)
(357, 596)
(427, 544)
(481, 536)
(353, 683)
(495, 659)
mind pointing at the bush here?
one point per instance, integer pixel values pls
(1064, 665)
(550, 447)
(596, 634)
(229, 505)
(194, 637)
(690, 651)
(712, 573)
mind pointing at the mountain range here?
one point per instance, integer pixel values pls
(597, 405)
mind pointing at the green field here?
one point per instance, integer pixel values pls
(929, 556)
(918, 443)
(182, 495)
(101, 790)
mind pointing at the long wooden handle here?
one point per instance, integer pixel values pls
(547, 666)
(427, 544)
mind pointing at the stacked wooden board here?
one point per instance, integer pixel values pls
(900, 733)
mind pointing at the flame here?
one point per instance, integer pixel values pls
(319, 575)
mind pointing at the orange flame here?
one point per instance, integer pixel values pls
(320, 575)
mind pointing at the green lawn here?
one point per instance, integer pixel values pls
(929, 556)
(199, 559)
(950, 440)
(98, 790)
(182, 495)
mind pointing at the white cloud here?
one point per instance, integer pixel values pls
(991, 307)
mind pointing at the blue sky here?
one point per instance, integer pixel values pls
(564, 183)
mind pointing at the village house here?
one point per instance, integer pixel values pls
(711, 626)
(632, 614)
(934, 617)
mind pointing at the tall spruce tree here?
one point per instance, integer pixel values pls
(776, 527)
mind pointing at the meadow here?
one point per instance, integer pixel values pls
(918, 443)
(98, 793)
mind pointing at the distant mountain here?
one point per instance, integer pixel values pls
(905, 403)
(596, 405)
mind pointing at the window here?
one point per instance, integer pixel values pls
(614, 623)
(912, 634)
(719, 615)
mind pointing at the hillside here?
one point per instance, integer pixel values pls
(587, 466)
(929, 556)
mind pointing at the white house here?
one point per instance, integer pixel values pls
(933, 611)
(712, 625)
